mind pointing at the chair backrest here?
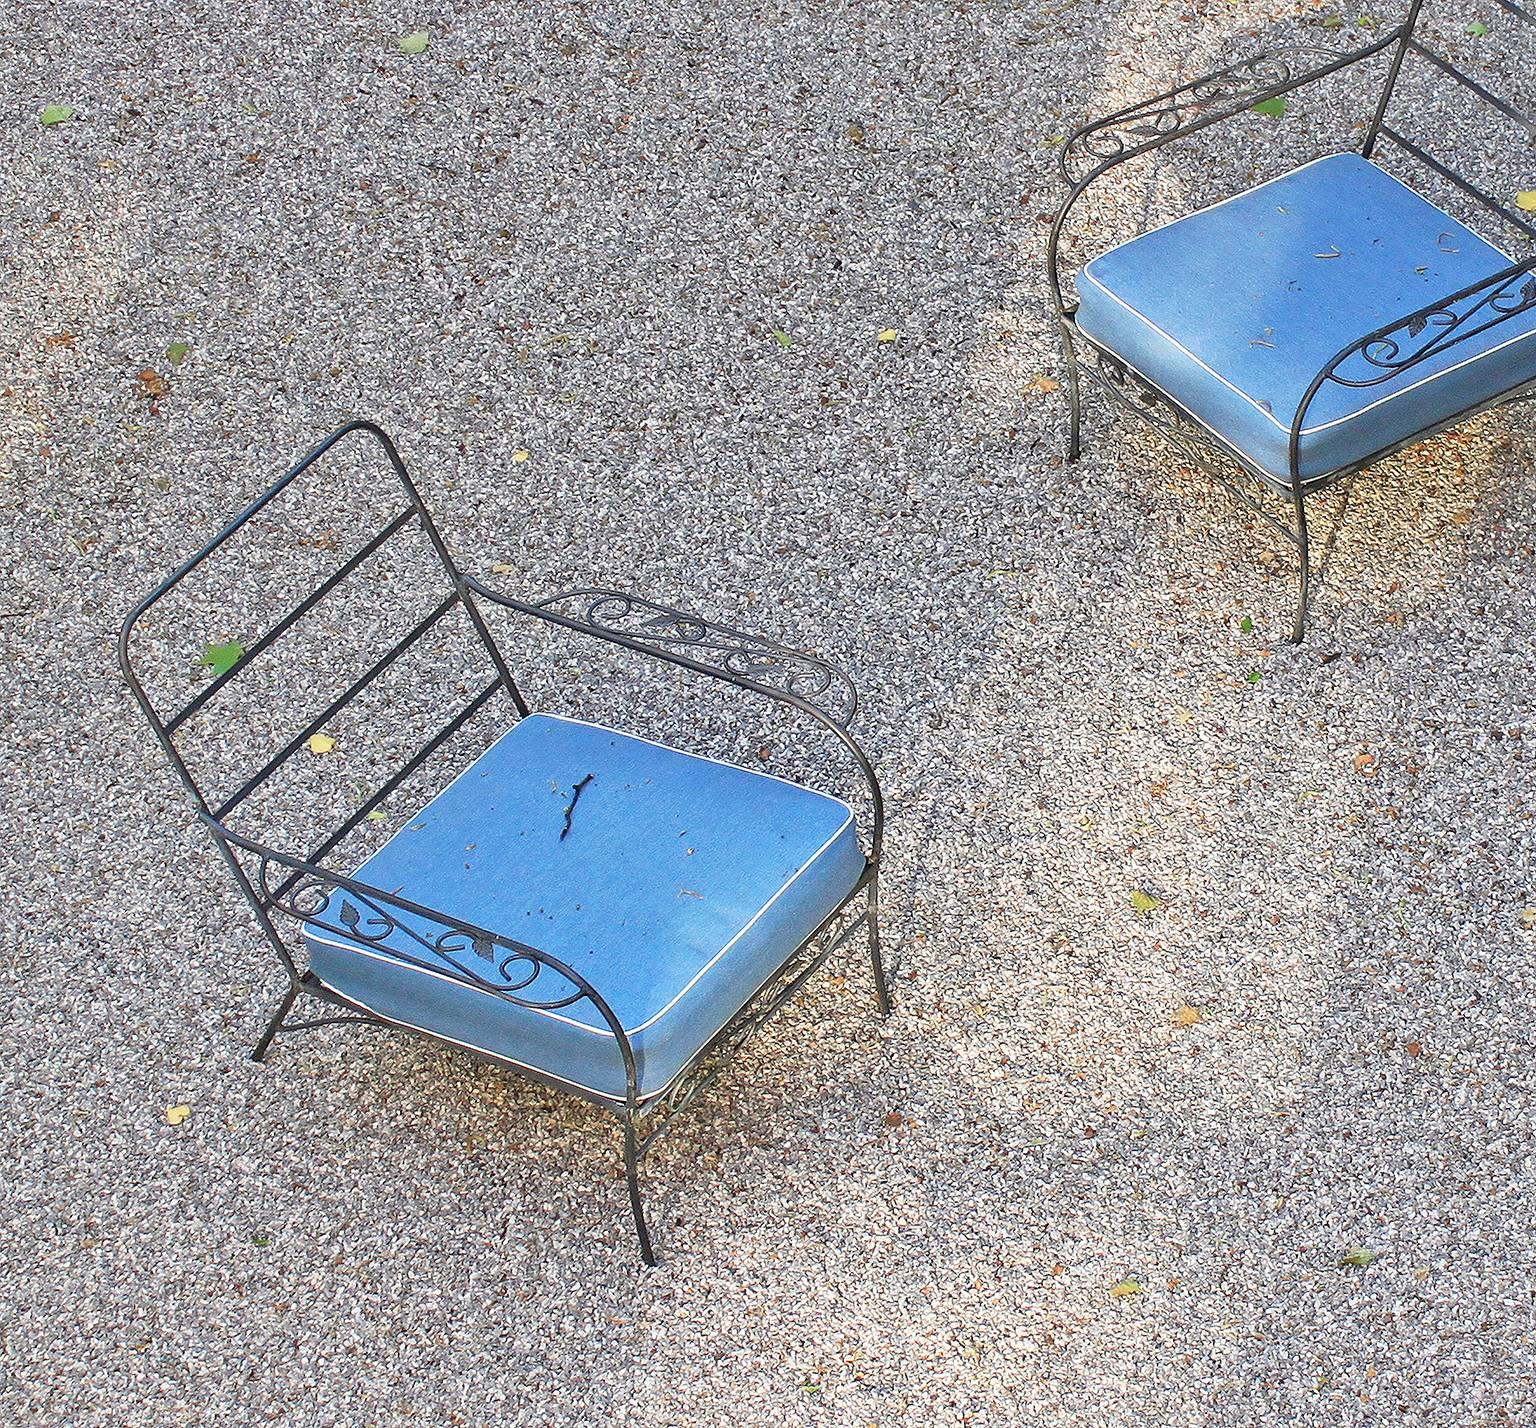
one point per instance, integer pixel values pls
(1412, 49)
(257, 761)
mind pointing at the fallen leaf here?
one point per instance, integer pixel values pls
(1528, 919)
(320, 743)
(521, 454)
(377, 815)
(1365, 764)
(1253, 676)
(1186, 1016)
(887, 334)
(1525, 200)
(894, 1118)
(1055, 141)
(1246, 624)
(60, 339)
(1477, 29)
(1145, 902)
(501, 568)
(175, 1115)
(415, 43)
(1042, 384)
(55, 114)
(176, 353)
(1359, 1257)
(855, 133)
(1413, 1048)
(222, 658)
(153, 384)
(1124, 1289)
(784, 338)
(1273, 107)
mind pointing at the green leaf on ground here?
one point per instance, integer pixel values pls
(415, 43)
(1273, 107)
(785, 340)
(1358, 1257)
(377, 815)
(1125, 1289)
(1145, 902)
(176, 353)
(1246, 624)
(1477, 29)
(55, 114)
(1253, 676)
(222, 658)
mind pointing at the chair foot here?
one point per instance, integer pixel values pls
(632, 1176)
(259, 1051)
(882, 987)
(1074, 397)
(1303, 550)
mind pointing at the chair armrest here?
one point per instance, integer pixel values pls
(1098, 146)
(1397, 347)
(804, 681)
(476, 957)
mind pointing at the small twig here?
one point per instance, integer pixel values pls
(570, 808)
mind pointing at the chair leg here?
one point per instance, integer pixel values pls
(259, 1051)
(882, 988)
(632, 1175)
(1074, 396)
(1303, 550)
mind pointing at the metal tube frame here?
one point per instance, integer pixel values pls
(293, 890)
(1095, 148)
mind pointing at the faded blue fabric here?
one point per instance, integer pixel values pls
(682, 885)
(1234, 310)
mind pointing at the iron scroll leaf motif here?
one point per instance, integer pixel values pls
(1227, 90)
(434, 944)
(730, 651)
(1387, 353)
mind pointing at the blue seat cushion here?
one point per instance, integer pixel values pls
(682, 885)
(1232, 311)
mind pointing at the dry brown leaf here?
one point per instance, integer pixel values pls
(1042, 384)
(1186, 1016)
(153, 384)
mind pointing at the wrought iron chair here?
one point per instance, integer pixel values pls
(607, 915)
(1294, 334)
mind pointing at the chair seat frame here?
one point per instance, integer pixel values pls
(287, 890)
(1095, 149)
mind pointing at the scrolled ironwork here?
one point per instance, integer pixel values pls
(1391, 350)
(1166, 116)
(734, 653)
(365, 917)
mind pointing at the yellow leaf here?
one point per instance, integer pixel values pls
(1145, 902)
(175, 1115)
(887, 334)
(520, 454)
(1125, 1289)
(1186, 1016)
(1525, 200)
(1043, 384)
(502, 568)
(320, 743)
(1528, 919)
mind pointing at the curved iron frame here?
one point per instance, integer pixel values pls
(302, 889)
(1095, 148)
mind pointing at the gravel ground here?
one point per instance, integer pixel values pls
(573, 229)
